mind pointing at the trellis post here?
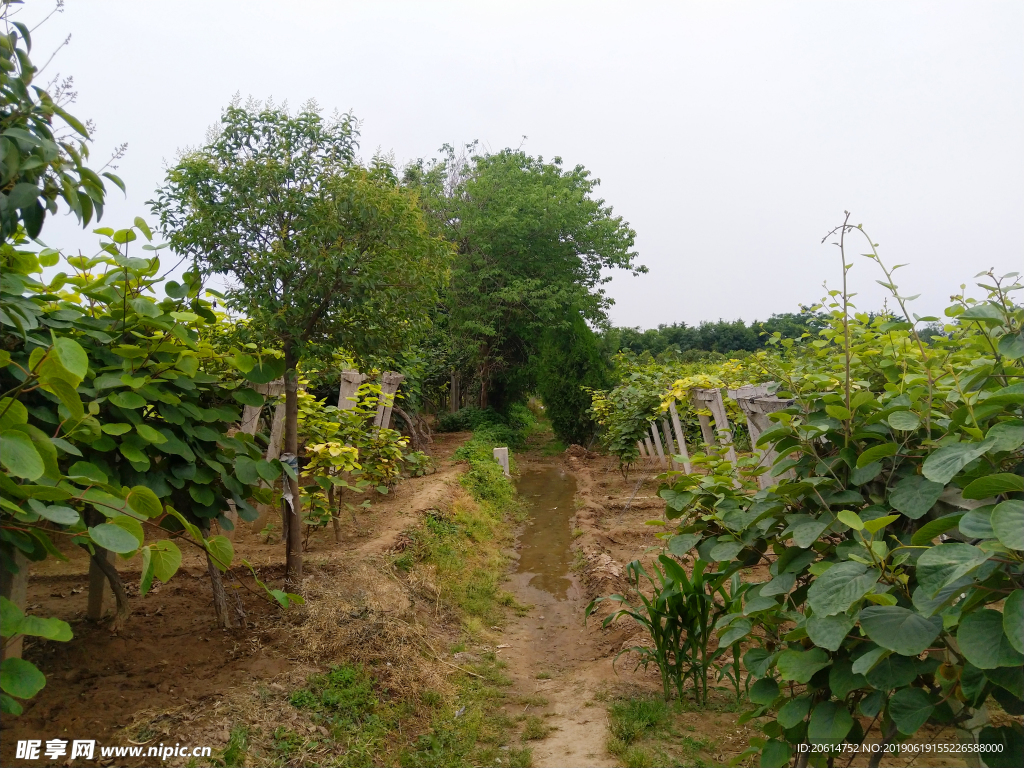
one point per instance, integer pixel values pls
(388, 387)
(350, 381)
(680, 438)
(657, 443)
(756, 404)
(712, 400)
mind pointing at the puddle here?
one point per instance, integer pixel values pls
(544, 551)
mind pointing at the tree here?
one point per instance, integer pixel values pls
(533, 243)
(323, 253)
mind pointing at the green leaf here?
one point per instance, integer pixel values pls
(1011, 345)
(915, 495)
(984, 643)
(72, 356)
(1005, 436)
(726, 550)
(166, 559)
(14, 412)
(850, 518)
(145, 502)
(10, 617)
(56, 514)
(247, 396)
(793, 712)
(1008, 523)
(904, 421)
(20, 678)
(48, 628)
(84, 470)
(246, 470)
(869, 660)
(977, 524)
(830, 722)
(149, 434)
(927, 532)
(127, 399)
(19, 455)
(800, 666)
(910, 709)
(841, 679)
(840, 587)
(116, 428)
(899, 629)
(892, 671)
(775, 754)
(114, 538)
(133, 526)
(877, 452)
(946, 563)
(992, 485)
(221, 550)
(943, 465)
(681, 544)
(1013, 619)
(266, 370)
(874, 526)
(838, 412)
(829, 631)
(267, 471)
(736, 631)
(1004, 746)
(764, 691)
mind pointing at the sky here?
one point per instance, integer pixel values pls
(730, 135)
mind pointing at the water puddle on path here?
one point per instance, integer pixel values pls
(544, 548)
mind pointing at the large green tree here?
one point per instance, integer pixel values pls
(534, 246)
(320, 253)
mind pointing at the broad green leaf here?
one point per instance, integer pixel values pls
(927, 532)
(20, 678)
(48, 628)
(114, 538)
(943, 465)
(166, 559)
(850, 518)
(838, 412)
(984, 643)
(869, 660)
(915, 495)
(874, 526)
(877, 452)
(780, 585)
(1005, 436)
(842, 680)
(946, 563)
(892, 671)
(805, 535)
(1004, 746)
(221, 550)
(266, 370)
(840, 587)
(55, 513)
(830, 722)
(829, 631)
(127, 399)
(116, 428)
(201, 494)
(910, 709)
(143, 501)
(681, 544)
(1013, 619)
(149, 434)
(992, 485)
(726, 550)
(19, 455)
(267, 471)
(977, 524)
(247, 396)
(1011, 345)
(133, 526)
(14, 412)
(764, 691)
(775, 754)
(1008, 523)
(793, 712)
(246, 470)
(904, 421)
(10, 617)
(84, 470)
(757, 661)
(676, 500)
(902, 630)
(800, 666)
(736, 631)
(72, 356)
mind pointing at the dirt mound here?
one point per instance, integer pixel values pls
(579, 452)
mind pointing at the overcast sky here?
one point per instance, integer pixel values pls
(730, 135)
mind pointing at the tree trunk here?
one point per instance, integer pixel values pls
(220, 598)
(888, 733)
(123, 610)
(333, 494)
(453, 395)
(293, 558)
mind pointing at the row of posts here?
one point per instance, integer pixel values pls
(753, 400)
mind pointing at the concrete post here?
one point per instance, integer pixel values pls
(388, 387)
(756, 404)
(14, 586)
(657, 443)
(712, 400)
(350, 381)
(680, 439)
(501, 456)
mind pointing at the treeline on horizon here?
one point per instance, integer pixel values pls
(690, 343)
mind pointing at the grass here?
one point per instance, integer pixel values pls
(643, 733)
(535, 728)
(543, 675)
